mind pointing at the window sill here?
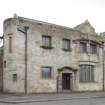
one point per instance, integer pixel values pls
(69, 50)
(84, 52)
(46, 47)
(87, 82)
(94, 53)
(88, 53)
(46, 78)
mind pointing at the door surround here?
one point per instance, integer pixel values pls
(61, 72)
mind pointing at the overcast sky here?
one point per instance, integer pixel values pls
(62, 12)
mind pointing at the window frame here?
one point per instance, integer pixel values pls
(5, 64)
(44, 43)
(82, 43)
(43, 76)
(10, 44)
(93, 48)
(83, 77)
(68, 44)
(14, 77)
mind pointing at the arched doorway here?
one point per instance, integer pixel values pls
(66, 79)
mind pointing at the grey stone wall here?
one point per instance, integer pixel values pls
(39, 57)
(15, 60)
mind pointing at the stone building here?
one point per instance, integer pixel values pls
(43, 57)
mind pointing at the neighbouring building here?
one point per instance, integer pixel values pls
(42, 57)
(1, 68)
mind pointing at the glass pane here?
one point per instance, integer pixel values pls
(43, 41)
(46, 41)
(14, 77)
(86, 73)
(80, 73)
(92, 73)
(83, 47)
(66, 44)
(93, 48)
(10, 44)
(46, 72)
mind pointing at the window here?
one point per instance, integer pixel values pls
(46, 72)
(46, 41)
(4, 64)
(14, 77)
(10, 44)
(83, 47)
(93, 48)
(86, 73)
(66, 44)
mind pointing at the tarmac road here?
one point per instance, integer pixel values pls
(97, 101)
(56, 99)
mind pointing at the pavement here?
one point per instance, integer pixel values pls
(29, 98)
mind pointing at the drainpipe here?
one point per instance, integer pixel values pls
(26, 29)
(2, 38)
(103, 65)
(25, 33)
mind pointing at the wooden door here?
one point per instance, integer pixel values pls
(66, 81)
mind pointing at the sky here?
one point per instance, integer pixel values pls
(62, 12)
